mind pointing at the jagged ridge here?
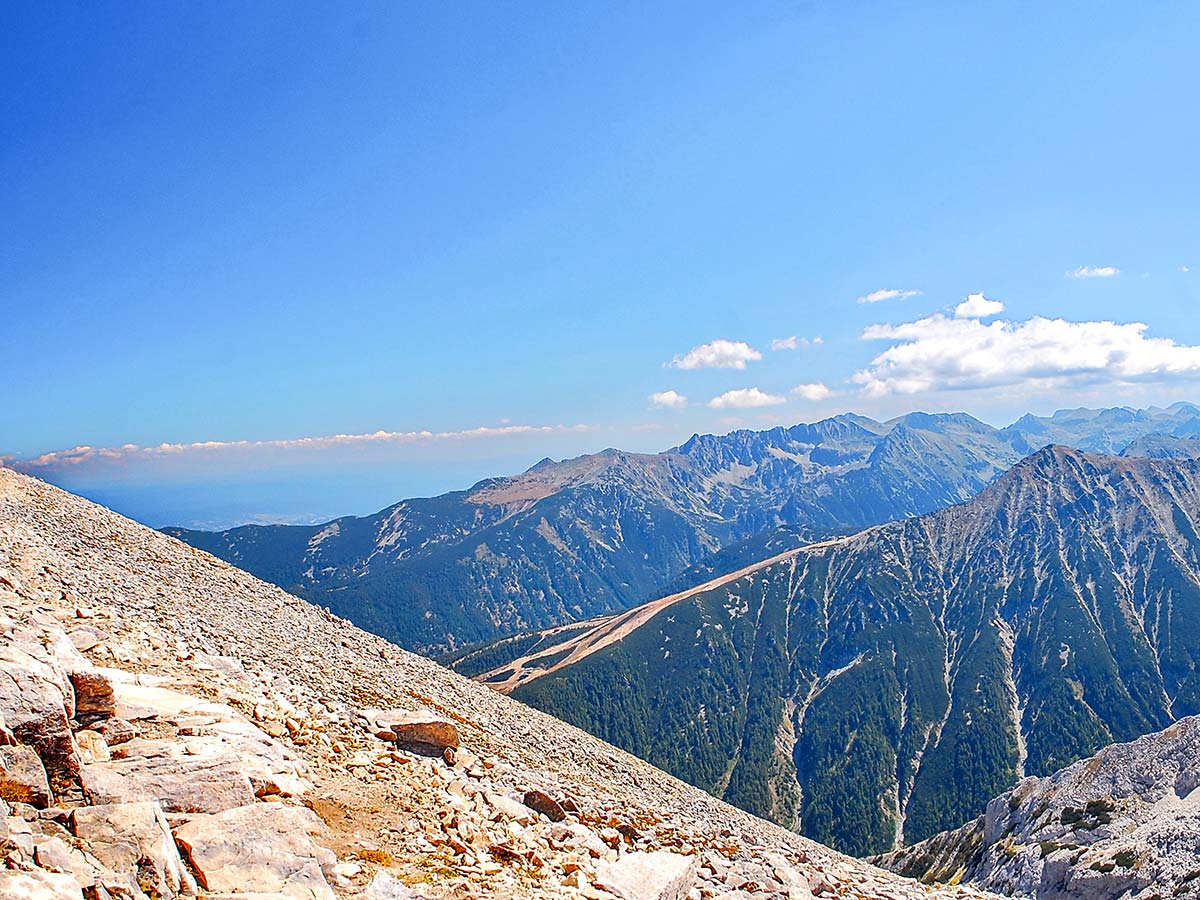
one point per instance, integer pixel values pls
(884, 687)
(572, 539)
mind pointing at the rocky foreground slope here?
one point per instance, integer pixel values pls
(1123, 824)
(175, 727)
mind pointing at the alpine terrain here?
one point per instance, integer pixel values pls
(876, 689)
(598, 534)
(173, 727)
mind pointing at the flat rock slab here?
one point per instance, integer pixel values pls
(259, 848)
(648, 876)
(39, 885)
(203, 784)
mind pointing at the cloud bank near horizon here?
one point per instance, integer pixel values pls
(84, 455)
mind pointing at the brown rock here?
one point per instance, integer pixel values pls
(542, 802)
(22, 777)
(423, 733)
(115, 731)
(93, 694)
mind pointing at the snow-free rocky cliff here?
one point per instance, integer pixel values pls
(174, 727)
(1121, 825)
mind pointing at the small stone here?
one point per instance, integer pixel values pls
(92, 747)
(542, 802)
(114, 730)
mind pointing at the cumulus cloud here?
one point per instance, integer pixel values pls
(745, 398)
(1094, 272)
(887, 294)
(941, 353)
(815, 391)
(76, 457)
(718, 354)
(977, 306)
(795, 343)
(668, 400)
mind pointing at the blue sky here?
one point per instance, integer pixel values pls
(489, 229)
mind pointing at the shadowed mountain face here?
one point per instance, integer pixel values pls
(881, 688)
(600, 533)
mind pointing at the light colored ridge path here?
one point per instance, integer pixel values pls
(528, 807)
(607, 631)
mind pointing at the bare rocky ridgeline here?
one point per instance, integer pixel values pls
(175, 727)
(1124, 823)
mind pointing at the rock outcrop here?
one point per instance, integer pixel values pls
(204, 734)
(1124, 823)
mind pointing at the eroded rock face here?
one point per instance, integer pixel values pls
(1122, 824)
(36, 708)
(94, 695)
(134, 838)
(269, 846)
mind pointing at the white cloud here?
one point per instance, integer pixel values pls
(795, 343)
(816, 391)
(719, 354)
(745, 398)
(1184, 269)
(977, 306)
(941, 353)
(668, 400)
(79, 456)
(1094, 272)
(887, 294)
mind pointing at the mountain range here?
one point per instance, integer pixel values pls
(875, 689)
(594, 535)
